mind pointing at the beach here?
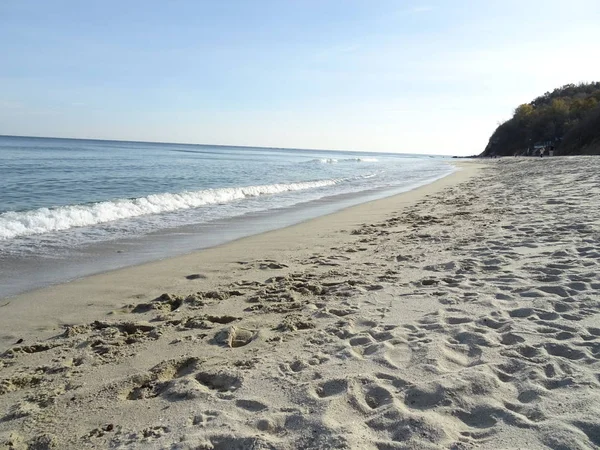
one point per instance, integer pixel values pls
(462, 314)
(71, 208)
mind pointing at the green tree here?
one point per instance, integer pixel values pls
(523, 111)
(567, 110)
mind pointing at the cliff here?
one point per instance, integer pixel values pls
(566, 119)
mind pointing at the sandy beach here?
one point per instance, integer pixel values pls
(463, 314)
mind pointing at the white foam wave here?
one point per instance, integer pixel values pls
(335, 161)
(367, 159)
(45, 220)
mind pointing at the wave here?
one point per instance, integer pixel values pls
(366, 159)
(335, 161)
(44, 220)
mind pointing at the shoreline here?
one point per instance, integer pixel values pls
(26, 273)
(461, 315)
(51, 297)
(131, 252)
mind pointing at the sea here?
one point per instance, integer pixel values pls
(71, 207)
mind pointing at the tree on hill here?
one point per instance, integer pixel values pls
(584, 137)
(566, 118)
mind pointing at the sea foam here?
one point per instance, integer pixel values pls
(44, 220)
(343, 160)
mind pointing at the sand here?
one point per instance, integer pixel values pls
(464, 314)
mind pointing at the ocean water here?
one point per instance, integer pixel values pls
(71, 207)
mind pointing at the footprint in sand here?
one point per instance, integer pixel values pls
(163, 379)
(234, 337)
(331, 388)
(220, 380)
(369, 395)
(251, 405)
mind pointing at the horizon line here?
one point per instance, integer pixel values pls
(216, 145)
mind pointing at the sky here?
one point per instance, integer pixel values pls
(373, 75)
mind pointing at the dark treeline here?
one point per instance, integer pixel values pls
(566, 120)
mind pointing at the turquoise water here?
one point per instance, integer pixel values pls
(64, 198)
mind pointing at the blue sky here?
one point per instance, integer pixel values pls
(400, 76)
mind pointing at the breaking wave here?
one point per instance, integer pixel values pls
(335, 161)
(45, 220)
